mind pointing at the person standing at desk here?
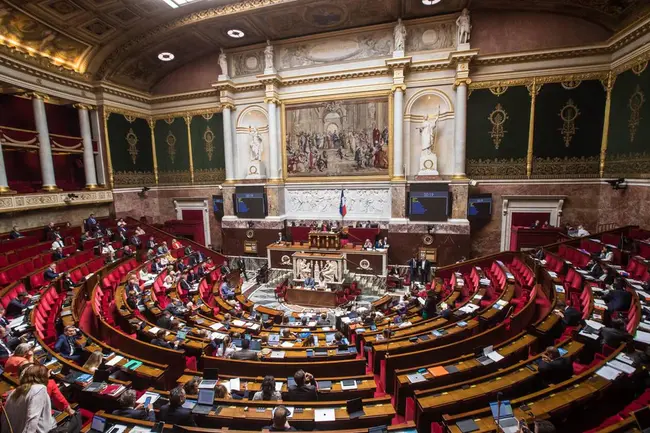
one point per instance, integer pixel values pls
(425, 269)
(413, 266)
(309, 282)
(367, 245)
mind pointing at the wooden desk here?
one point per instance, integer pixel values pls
(311, 298)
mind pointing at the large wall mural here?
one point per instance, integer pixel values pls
(337, 138)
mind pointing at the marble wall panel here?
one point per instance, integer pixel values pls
(35, 218)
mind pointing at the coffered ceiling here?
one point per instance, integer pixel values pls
(119, 40)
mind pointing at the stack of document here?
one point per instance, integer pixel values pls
(642, 337)
(216, 326)
(608, 372)
(287, 344)
(321, 415)
(115, 360)
(154, 330)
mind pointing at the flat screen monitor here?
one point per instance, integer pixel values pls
(217, 205)
(250, 202)
(479, 206)
(429, 202)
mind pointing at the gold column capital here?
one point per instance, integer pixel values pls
(80, 106)
(37, 95)
(397, 87)
(275, 101)
(228, 105)
(462, 81)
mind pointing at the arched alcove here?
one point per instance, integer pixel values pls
(253, 116)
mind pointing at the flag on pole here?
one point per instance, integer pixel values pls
(342, 207)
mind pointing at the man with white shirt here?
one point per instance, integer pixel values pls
(58, 243)
(108, 250)
(606, 255)
(582, 232)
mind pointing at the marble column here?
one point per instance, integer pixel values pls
(227, 142)
(280, 141)
(45, 148)
(89, 156)
(274, 150)
(95, 126)
(4, 184)
(398, 133)
(460, 133)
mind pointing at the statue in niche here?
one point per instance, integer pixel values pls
(223, 64)
(428, 134)
(303, 268)
(328, 273)
(268, 57)
(255, 145)
(464, 27)
(399, 36)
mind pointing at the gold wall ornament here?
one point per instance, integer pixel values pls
(635, 103)
(498, 90)
(569, 113)
(571, 84)
(130, 118)
(207, 116)
(639, 68)
(169, 120)
(171, 146)
(533, 90)
(132, 141)
(608, 84)
(208, 140)
(498, 118)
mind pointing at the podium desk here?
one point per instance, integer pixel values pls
(311, 298)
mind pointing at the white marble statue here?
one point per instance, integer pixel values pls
(268, 58)
(223, 65)
(428, 134)
(399, 36)
(328, 273)
(256, 144)
(304, 270)
(464, 27)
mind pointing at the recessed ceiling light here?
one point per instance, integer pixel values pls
(431, 2)
(166, 57)
(235, 33)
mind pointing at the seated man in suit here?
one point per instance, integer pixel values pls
(618, 300)
(614, 334)
(594, 269)
(58, 254)
(91, 222)
(67, 345)
(15, 234)
(570, 317)
(309, 282)
(156, 266)
(129, 409)
(160, 341)
(177, 308)
(245, 353)
(554, 368)
(151, 244)
(7, 343)
(192, 278)
(165, 320)
(185, 284)
(133, 284)
(304, 389)
(606, 255)
(135, 241)
(322, 321)
(226, 291)
(174, 412)
(17, 305)
(51, 273)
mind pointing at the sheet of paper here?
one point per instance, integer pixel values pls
(216, 326)
(287, 344)
(595, 325)
(643, 337)
(115, 360)
(321, 415)
(235, 384)
(608, 372)
(624, 358)
(494, 356)
(278, 386)
(625, 368)
(592, 336)
(154, 330)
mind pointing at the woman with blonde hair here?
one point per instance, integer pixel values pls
(94, 361)
(226, 348)
(28, 408)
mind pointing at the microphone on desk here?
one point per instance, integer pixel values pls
(499, 396)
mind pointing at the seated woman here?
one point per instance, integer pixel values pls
(24, 354)
(94, 361)
(176, 245)
(268, 392)
(226, 348)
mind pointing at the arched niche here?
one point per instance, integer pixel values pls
(253, 116)
(418, 106)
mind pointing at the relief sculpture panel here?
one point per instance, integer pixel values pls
(366, 204)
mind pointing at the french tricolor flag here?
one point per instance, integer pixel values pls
(342, 206)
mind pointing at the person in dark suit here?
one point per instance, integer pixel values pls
(430, 306)
(7, 344)
(180, 266)
(614, 334)
(156, 266)
(129, 409)
(192, 277)
(67, 345)
(618, 300)
(151, 244)
(245, 353)
(50, 230)
(161, 342)
(176, 307)
(3, 320)
(280, 423)
(18, 304)
(58, 254)
(15, 234)
(413, 266)
(185, 284)
(174, 412)
(425, 269)
(135, 241)
(51, 273)
(304, 389)
(68, 283)
(554, 368)
(132, 301)
(200, 257)
(241, 265)
(165, 320)
(594, 269)
(322, 321)
(571, 317)
(91, 222)
(134, 285)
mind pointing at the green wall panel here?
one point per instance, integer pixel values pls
(129, 141)
(207, 148)
(628, 149)
(494, 152)
(172, 151)
(568, 130)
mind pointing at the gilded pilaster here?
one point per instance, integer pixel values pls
(109, 161)
(608, 83)
(533, 90)
(188, 122)
(152, 124)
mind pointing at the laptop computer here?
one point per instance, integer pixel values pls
(355, 408)
(256, 345)
(204, 402)
(98, 425)
(503, 415)
(642, 417)
(181, 335)
(211, 373)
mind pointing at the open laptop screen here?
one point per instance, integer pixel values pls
(206, 397)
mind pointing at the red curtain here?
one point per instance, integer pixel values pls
(16, 112)
(527, 219)
(23, 169)
(62, 119)
(69, 171)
